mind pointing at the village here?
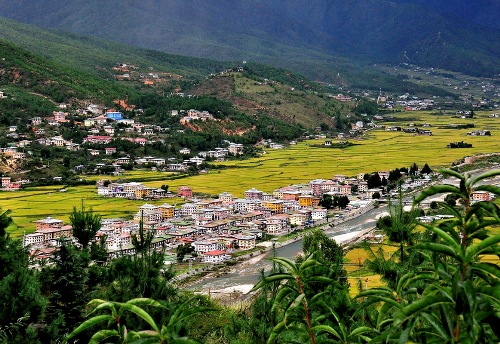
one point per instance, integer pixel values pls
(214, 230)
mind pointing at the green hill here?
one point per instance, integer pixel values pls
(317, 38)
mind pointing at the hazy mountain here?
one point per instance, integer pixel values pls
(303, 35)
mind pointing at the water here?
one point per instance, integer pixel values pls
(245, 275)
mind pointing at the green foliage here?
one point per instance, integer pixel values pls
(308, 293)
(460, 144)
(58, 82)
(328, 251)
(20, 297)
(452, 295)
(426, 169)
(67, 290)
(166, 333)
(85, 225)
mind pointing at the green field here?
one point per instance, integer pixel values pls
(379, 150)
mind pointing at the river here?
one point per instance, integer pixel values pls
(244, 275)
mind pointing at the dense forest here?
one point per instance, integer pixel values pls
(440, 284)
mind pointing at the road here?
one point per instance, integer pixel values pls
(244, 275)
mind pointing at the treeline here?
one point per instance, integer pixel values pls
(375, 181)
(460, 144)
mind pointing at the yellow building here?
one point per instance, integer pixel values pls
(305, 201)
(167, 211)
(278, 194)
(276, 206)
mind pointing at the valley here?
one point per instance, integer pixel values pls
(279, 181)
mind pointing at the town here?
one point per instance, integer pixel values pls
(213, 230)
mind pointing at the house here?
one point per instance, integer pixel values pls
(226, 197)
(97, 139)
(110, 150)
(318, 214)
(215, 257)
(298, 219)
(114, 115)
(123, 160)
(167, 211)
(236, 148)
(478, 196)
(305, 201)
(58, 141)
(204, 246)
(48, 222)
(109, 130)
(60, 116)
(253, 193)
(245, 242)
(185, 191)
(276, 206)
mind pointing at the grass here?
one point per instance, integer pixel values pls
(379, 150)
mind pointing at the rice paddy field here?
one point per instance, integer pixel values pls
(377, 150)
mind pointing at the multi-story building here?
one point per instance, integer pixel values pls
(305, 201)
(185, 191)
(253, 194)
(226, 197)
(167, 211)
(48, 222)
(276, 206)
(478, 196)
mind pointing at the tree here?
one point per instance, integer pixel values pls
(182, 250)
(413, 169)
(451, 199)
(463, 287)
(426, 169)
(326, 201)
(142, 241)
(343, 202)
(394, 175)
(434, 205)
(66, 286)
(324, 126)
(305, 303)
(374, 181)
(329, 252)
(167, 333)
(452, 297)
(85, 225)
(20, 297)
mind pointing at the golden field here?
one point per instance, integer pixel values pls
(377, 150)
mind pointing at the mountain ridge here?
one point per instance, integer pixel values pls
(287, 33)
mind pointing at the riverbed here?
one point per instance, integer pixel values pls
(243, 276)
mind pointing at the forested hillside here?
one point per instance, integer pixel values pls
(294, 34)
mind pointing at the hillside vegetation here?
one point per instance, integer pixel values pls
(308, 36)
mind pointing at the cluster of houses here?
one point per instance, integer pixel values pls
(147, 76)
(215, 228)
(412, 129)
(9, 185)
(193, 115)
(479, 133)
(407, 102)
(103, 127)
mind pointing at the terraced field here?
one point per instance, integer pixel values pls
(378, 150)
